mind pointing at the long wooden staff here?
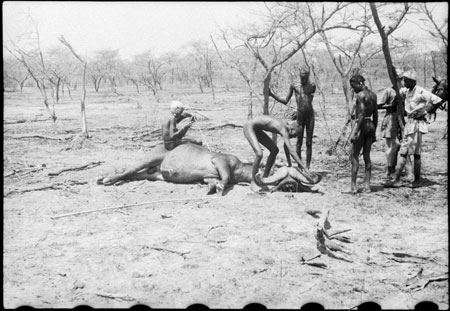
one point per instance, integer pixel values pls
(126, 206)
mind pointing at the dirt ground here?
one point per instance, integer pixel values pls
(223, 252)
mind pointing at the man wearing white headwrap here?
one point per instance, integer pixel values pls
(172, 136)
(418, 102)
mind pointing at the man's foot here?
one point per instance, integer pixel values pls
(351, 191)
(392, 184)
(366, 189)
(106, 181)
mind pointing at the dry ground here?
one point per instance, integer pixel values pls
(224, 252)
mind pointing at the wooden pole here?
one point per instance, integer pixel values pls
(126, 206)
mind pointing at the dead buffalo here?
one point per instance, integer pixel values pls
(189, 163)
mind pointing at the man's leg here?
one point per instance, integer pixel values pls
(301, 130)
(309, 139)
(356, 149)
(417, 167)
(267, 142)
(417, 159)
(367, 162)
(250, 134)
(391, 155)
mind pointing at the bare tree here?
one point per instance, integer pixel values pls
(84, 130)
(287, 29)
(202, 55)
(36, 65)
(399, 16)
(150, 72)
(345, 54)
(15, 72)
(430, 24)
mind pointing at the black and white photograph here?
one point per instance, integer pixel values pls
(225, 155)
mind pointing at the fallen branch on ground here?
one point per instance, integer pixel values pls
(170, 251)
(110, 296)
(126, 206)
(324, 243)
(25, 171)
(222, 126)
(203, 109)
(212, 228)
(14, 122)
(54, 186)
(78, 168)
(39, 136)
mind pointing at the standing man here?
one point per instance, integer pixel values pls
(418, 102)
(364, 130)
(390, 127)
(254, 131)
(304, 94)
(172, 136)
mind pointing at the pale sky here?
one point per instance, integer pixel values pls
(134, 27)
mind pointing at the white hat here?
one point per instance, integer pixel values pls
(410, 74)
(176, 104)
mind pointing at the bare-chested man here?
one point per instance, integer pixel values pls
(304, 94)
(171, 138)
(254, 131)
(363, 133)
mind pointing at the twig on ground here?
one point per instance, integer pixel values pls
(54, 186)
(39, 137)
(212, 228)
(126, 206)
(170, 251)
(14, 122)
(338, 232)
(222, 126)
(78, 168)
(202, 109)
(110, 296)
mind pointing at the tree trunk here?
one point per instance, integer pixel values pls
(347, 94)
(266, 86)
(84, 130)
(250, 106)
(200, 83)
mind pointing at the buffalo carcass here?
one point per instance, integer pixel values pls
(190, 163)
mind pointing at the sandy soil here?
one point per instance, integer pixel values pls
(224, 252)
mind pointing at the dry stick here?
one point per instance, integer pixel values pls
(125, 206)
(93, 164)
(339, 232)
(222, 126)
(170, 251)
(213, 227)
(37, 136)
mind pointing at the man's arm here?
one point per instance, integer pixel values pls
(359, 106)
(375, 112)
(313, 87)
(170, 132)
(283, 101)
(287, 145)
(383, 100)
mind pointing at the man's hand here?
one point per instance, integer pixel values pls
(417, 114)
